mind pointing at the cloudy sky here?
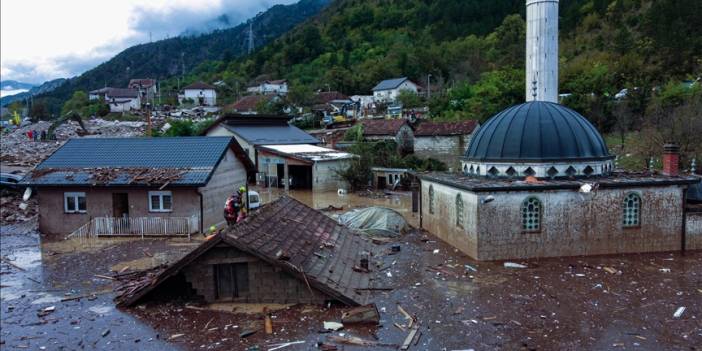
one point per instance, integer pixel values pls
(42, 40)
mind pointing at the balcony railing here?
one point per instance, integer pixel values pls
(137, 226)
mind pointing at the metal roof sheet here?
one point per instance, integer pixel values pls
(271, 134)
(390, 83)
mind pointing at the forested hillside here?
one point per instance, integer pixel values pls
(169, 57)
(474, 50)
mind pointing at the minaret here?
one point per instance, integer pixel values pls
(542, 50)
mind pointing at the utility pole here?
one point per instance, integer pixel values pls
(428, 86)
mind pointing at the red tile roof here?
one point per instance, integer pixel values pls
(326, 96)
(446, 128)
(199, 85)
(382, 126)
(144, 83)
(248, 103)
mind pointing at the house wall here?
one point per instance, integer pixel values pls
(325, 176)
(442, 223)
(210, 95)
(392, 94)
(693, 231)
(53, 219)
(580, 224)
(267, 284)
(229, 175)
(448, 149)
(572, 223)
(248, 148)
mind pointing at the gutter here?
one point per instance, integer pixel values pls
(202, 219)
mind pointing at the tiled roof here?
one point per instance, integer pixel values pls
(144, 83)
(327, 96)
(123, 161)
(121, 93)
(446, 128)
(390, 83)
(248, 103)
(316, 249)
(616, 180)
(382, 126)
(198, 85)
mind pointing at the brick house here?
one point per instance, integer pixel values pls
(286, 252)
(175, 183)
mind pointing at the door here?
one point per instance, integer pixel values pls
(120, 205)
(381, 182)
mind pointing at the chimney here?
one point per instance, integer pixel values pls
(542, 50)
(671, 160)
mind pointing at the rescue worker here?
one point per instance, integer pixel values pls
(233, 206)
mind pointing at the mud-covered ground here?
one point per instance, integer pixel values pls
(621, 302)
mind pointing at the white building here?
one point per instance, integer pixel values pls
(122, 100)
(201, 93)
(389, 89)
(279, 87)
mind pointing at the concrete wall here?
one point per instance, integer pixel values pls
(248, 148)
(580, 224)
(229, 176)
(693, 229)
(325, 177)
(53, 219)
(572, 223)
(209, 96)
(448, 149)
(267, 284)
(442, 222)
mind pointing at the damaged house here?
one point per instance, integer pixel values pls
(286, 252)
(137, 186)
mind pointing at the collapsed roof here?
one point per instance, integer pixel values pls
(289, 235)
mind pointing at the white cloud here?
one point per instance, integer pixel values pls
(47, 39)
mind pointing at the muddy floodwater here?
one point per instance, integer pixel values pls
(56, 295)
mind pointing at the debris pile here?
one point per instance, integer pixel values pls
(133, 281)
(19, 150)
(11, 211)
(102, 175)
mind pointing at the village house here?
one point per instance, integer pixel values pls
(307, 258)
(132, 186)
(277, 87)
(147, 87)
(98, 93)
(302, 166)
(444, 141)
(537, 180)
(259, 130)
(384, 178)
(397, 130)
(202, 94)
(122, 100)
(388, 90)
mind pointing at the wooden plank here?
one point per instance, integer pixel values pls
(408, 340)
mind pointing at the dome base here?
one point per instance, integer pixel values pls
(538, 169)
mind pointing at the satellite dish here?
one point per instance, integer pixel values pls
(586, 188)
(27, 194)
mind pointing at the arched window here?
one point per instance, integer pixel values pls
(459, 211)
(632, 210)
(431, 199)
(531, 214)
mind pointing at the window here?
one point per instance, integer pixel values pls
(160, 201)
(531, 214)
(632, 210)
(74, 203)
(232, 280)
(459, 211)
(552, 172)
(431, 199)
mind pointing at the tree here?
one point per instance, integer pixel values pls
(76, 103)
(38, 111)
(409, 99)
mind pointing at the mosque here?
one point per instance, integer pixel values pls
(537, 179)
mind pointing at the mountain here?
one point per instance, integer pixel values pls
(46, 87)
(14, 85)
(475, 52)
(170, 57)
